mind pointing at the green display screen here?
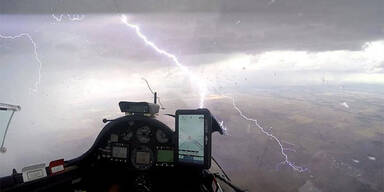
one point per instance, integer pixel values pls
(165, 156)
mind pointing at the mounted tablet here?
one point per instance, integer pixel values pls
(193, 132)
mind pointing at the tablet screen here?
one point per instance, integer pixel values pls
(191, 138)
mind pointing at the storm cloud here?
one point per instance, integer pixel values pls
(245, 25)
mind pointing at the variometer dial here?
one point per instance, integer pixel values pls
(126, 136)
(161, 137)
(143, 134)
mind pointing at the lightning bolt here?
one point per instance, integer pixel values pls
(34, 44)
(37, 83)
(74, 17)
(203, 90)
(282, 149)
(57, 18)
(194, 78)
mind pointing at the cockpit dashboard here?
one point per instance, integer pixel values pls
(137, 145)
(131, 153)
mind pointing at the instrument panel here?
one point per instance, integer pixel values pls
(137, 144)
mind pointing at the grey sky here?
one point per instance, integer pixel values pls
(284, 24)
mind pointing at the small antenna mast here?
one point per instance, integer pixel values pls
(156, 98)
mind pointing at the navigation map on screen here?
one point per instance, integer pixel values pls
(191, 138)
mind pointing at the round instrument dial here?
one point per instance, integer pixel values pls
(126, 136)
(161, 136)
(143, 134)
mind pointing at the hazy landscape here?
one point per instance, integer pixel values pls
(341, 146)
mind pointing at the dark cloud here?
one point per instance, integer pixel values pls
(197, 36)
(196, 27)
(110, 6)
(224, 6)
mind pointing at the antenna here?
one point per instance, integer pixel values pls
(156, 98)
